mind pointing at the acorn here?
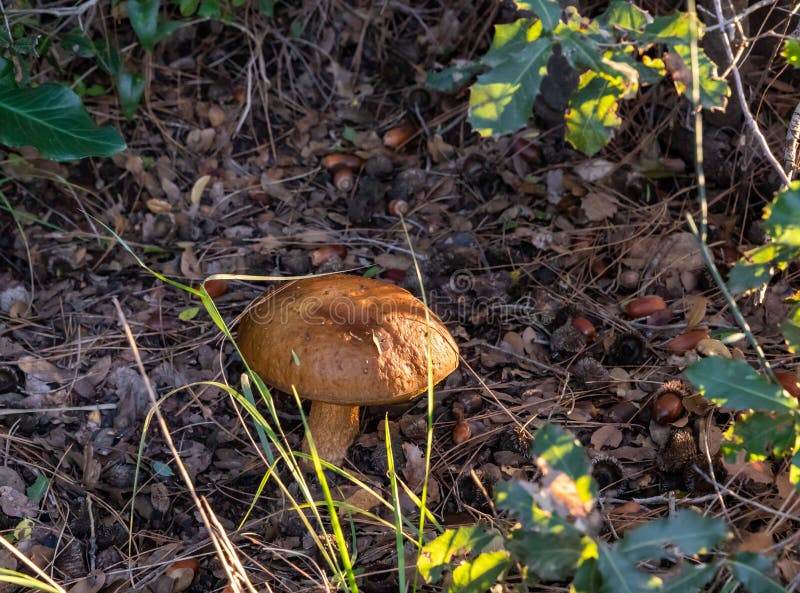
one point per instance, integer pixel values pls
(461, 432)
(667, 408)
(668, 401)
(215, 288)
(585, 326)
(644, 306)
(182, 572)
(340, 159)
(787, 379)
(629, 279)
(397, 137)
(681, 388)
(323, 254)
(628, 349)
(398, 208)
(529, 152)
(660, 317)
(344, 179)
(601, 266)
(682, 343)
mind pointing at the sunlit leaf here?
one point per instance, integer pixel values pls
(436, 556)
(579, 38)
(781, 217)
(752, 570)
(549, 11)
(734, 384)
(188, 313)
(791, 51)
(511, 38)
(667, 29)
(501, 101)
(791, 330)
(625, 16)
(481, 573)
(714, 90)
(516, 497)
(759, 434)
(561, 451)
(592, 114)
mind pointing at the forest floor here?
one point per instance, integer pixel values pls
(515, 237)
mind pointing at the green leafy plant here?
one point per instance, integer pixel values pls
(554, 539)
(52, 118)
(770, 422)
(614, 55)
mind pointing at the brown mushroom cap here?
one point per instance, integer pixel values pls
(345, 340)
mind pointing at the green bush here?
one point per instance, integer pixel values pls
(554, 539)
(614, 55)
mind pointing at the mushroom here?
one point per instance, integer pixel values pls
(344, 341)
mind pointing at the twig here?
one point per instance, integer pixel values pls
(747, 501)
(702, 232)
(739, 16)
(735, 311)
(737, 80)
(790, 152)
(226, 553)
(5, 21)
(661, 500)
(12, 411)
(68, 11)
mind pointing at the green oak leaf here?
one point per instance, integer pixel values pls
(734, 384)
(478, 575)
(437, 555)
(452, 78)
(620, 574)
(501, 101)
(548, 556)
(782, 217)
(752, 570)
(548, 11)
(687, 530)
(759, 434)
(592, 114)
(625, 16)
(791, 330)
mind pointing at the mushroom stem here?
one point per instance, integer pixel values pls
(333, 428)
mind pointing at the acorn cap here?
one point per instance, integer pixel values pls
(345, 340)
